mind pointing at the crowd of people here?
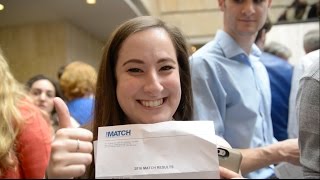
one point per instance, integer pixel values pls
(148, 75)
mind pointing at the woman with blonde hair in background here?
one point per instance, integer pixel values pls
(25, 134)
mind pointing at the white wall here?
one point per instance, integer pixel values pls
(291, 35)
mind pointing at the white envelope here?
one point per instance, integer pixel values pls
(171, 149)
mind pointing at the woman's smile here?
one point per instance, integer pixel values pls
(152, 103)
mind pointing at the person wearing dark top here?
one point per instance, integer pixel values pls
(280, 75)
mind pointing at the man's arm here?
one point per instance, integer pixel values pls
(257, 158)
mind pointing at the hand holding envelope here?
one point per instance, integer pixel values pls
(171, 149)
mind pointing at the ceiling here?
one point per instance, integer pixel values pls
(99, 19)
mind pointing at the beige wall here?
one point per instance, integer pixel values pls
(197, 19)
(44, 47)
(195, 30)
(152, 6)
(82, 46)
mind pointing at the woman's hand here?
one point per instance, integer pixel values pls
(71, 147)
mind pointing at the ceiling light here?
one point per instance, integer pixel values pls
(91, 1)
(1, 7)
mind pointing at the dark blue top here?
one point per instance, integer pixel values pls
(280, 74)
(81, 109)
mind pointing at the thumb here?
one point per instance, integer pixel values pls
(228, 174)
(63, 113)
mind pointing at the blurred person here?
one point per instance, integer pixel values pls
(262, 34)
(278, 50)
(78, 84)
(311, 40)
(144, 77)
(231, 87)
(308, 109)
(60, 71)
(311, 45)
(42, 90)
(59, 74)
(25, 134)
(275, 58)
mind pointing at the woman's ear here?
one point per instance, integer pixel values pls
(221, 4)
(269, 3)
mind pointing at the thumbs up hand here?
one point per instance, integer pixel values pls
(71, 148)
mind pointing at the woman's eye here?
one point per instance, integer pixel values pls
(134, 70)
(258, 1)
(238, 1)
(50, 96)
(35, 93)
(165, 68)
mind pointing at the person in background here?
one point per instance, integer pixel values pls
(278, 50)
(311, 45)
(42, 90)
(59, 74)
(308, 109)
(275, 58)
(78, 84)
(144, 77)
(60, 71)
(262, 34)
(231, 87)
(25, 133)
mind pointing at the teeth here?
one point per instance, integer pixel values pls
(152, 103)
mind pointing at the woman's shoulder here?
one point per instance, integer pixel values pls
(27, 108)
(34, 118)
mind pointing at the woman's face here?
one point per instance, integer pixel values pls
(147, 73)
(42, 93)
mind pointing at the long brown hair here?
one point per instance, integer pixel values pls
(107, 109)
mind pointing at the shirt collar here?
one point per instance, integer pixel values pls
(231, 49)
(256, 51)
